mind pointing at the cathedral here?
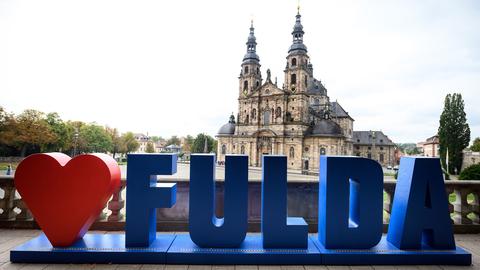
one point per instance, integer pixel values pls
(296, 119)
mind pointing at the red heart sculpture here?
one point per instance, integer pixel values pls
(66, 195)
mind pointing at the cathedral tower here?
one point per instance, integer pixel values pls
(250, 76)
(298, 70)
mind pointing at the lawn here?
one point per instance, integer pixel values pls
(4, 165)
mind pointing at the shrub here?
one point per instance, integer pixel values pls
(470, 173)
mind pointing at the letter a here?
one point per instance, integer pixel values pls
(420, 208)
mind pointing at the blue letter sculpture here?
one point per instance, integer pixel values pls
(144, 195)
(278, 230)
(206, 230)
(350, 204)
(420, 208)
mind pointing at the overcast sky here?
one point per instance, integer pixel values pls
(171, 67)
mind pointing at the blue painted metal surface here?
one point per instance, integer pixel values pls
(93, 248)
(350, 198)
(350, 205)
(278, 230)
(386, 253)
(179, 249)
(206, 230)
(184, 251)
(420, 206)
(144, 195)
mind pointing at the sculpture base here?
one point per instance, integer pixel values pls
(93, 248)
(386, 253)
(251, 251)
(179, 249)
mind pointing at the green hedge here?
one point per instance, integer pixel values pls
(470, 173)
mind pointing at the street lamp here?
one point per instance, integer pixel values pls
(75, 136)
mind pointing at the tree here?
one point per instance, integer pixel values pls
(32, 132)
(476, 145)
(413, 151)
(199, 144)
(453, 132)
(187, 146)
(156, 138)
(7, 133)
(96, 139)
(150, 148)
(60, 129)
(116, 140)
(128, 143)
(173, 140)
(470, 173)
(78, 142)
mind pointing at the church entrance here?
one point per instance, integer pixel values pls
(264, 147)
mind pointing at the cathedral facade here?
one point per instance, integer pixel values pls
(297, 119)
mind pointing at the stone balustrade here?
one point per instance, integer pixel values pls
(302, 202)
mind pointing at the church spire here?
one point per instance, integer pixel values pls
(297, 34)
(251, 54)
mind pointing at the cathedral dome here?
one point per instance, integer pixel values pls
(228, 128)
(326, 127)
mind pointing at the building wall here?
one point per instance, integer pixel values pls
(470, 158)
(383, 154)
(431, 149)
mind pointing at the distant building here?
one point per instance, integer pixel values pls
(296, 119)
(375, 145)
(173, 148)
(398, 155)
(142, 140)
(431, 147)
(470, 158)
(159, 146)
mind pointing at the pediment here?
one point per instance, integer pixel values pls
(268, 89)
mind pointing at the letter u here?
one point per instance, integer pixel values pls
(206, 229)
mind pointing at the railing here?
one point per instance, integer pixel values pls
(302, 201)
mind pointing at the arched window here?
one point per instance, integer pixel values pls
(294, 62)
(254, 114)
(293, 78)
(247, 119)
(242, 150)
(278, 112)
(266, 117)
(258, 70)
(245, 85)
(246, 70)
(224, 149)
(258, 84)
(292, 152)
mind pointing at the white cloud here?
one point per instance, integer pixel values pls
(171, 67)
